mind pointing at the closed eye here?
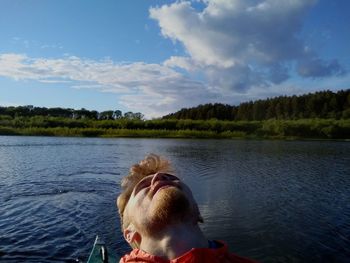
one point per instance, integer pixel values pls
(172, 177)
(144, 183)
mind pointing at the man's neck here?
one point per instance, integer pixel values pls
(174, 241)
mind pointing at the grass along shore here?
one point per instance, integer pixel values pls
(267, 129)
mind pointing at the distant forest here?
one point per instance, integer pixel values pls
(323, 104)
(322, 115)
(31, 111)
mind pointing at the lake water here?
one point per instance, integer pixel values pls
(274, 201)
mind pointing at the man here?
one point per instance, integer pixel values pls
(160, 217)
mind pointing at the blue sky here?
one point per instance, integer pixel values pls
(157, 57)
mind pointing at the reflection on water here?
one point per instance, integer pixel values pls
(274, 201)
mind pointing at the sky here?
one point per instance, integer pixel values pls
(156, 57)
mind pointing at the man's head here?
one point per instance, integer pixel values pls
(153, 198)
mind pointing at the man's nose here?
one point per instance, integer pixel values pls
(159, 177)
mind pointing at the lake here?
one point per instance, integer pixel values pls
(274, 201)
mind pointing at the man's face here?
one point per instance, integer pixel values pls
(160, 200)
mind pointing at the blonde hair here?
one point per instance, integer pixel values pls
(150, 165)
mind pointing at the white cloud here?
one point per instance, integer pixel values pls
(8, 104)
(181, 62)
(237, 50)
(241, 44)
(168, 96)
(114, 77)
(152, 89)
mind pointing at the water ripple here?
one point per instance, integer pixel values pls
(273, 201)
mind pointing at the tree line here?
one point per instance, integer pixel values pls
(323, 115)
(323, 105)
(31, 111)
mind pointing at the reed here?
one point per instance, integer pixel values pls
(54, 126)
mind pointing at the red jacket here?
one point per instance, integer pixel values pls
(195, 255)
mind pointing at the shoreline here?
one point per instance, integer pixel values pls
(272, 129)
(158, 134)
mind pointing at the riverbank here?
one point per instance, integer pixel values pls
(268, 129)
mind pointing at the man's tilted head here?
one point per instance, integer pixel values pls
(150, 165)
(159, 218)
(153, 198)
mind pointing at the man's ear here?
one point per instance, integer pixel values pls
(132, 236)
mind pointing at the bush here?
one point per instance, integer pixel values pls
(7, 131)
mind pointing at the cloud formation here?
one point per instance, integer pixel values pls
(241, 44)
(237, 50)
(153, 89)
